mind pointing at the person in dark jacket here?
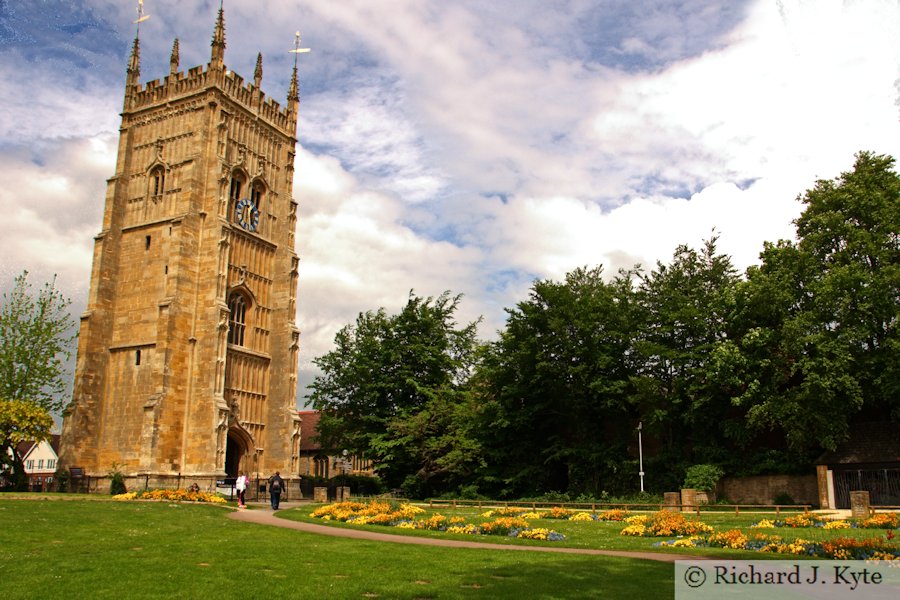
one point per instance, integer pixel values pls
(276, 486)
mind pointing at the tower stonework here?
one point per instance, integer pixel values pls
(187, 353)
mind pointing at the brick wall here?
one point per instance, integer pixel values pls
(762, 489)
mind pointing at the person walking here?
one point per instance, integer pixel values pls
(241, 486)
(276, 486)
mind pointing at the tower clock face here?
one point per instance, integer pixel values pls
(246, 214)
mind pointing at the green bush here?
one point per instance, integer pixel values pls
(703, 477)
(116, 481)
(62, 480)
(784, 498)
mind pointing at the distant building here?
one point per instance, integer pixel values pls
(326, 463)
(40, 462)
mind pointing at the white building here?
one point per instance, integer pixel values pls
(40, 462)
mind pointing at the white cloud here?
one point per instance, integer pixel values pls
(357, 255)
(53, 207)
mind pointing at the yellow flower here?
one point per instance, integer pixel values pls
(636, 529)
(733, 538)
(637, 520)
(534, 534)
(764, 524)
(467, 529)
(533, 515)
(684, 542)
(581, 517)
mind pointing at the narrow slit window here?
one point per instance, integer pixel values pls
(137, 357)
(147, 243)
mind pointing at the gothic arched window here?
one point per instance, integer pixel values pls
(237, 321)
(238, 183)
(257, 190)
(321, 466)
(157, 181)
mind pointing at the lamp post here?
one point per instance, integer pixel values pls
(640, 455)
(344, 454)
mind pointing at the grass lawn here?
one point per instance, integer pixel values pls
(99, 549)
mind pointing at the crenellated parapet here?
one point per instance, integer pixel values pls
(215, 76)
(179, 85)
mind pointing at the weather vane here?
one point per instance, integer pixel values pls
(141, 16)
(297, 49)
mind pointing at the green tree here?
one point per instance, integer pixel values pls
(35, 344)
(685, 306)
(392, 381)
(815, 335)
(556, 386)
(36, 338)
(20, 421)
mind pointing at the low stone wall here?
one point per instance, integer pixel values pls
(763, 489)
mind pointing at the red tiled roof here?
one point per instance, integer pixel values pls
(23, 448)
(309, 429)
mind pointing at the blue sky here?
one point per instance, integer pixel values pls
(465, 145)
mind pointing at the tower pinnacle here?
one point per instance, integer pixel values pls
(217, 58)
(133, 72)
(257, 73)
(174, 59)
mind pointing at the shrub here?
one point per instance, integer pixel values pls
(62, 480)
(470, 492)
(703, 477)
(784, 498)
(116, 481)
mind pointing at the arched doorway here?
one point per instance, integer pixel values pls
(238, 451)
(234, 452)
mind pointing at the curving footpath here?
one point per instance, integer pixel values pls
(265, 516)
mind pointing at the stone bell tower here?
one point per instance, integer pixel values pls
(187, 354)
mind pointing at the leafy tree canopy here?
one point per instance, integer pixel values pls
(392, 382)
(36, 338)
(815, 330)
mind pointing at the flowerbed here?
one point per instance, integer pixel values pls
(172, 496)
(838, 548)
(700, 535)
(506, 522)
(877, 521)
(664, 523)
